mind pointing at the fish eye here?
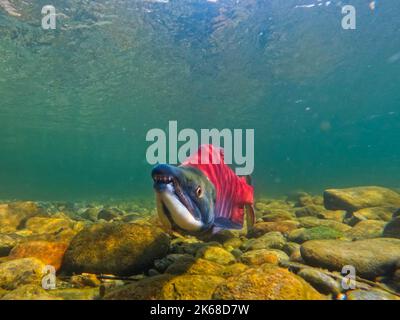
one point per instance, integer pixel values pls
(199, 192)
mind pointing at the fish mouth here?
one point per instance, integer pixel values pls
(173, 205)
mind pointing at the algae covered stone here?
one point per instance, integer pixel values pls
(370, 257)
(15, 273)
(353, 199)
(216, 254)
(168, 287)
(321, 232)
(261, 256)
(262, 228)
(266, 282)
(270, 240)
(366, 229)
(115, 248)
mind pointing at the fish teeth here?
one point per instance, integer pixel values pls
(163, 179)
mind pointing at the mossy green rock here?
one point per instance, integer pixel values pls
(309, 222)
(353, 199)
(270, 240)
(366, 229)
(115, 248)
(266, 282)
(262, 228)
(321, 232)
(370, 257)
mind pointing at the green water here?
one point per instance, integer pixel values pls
(76, 102)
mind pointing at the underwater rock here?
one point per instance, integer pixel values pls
(266, 282)
(187, 245)
(366, 229)
(303, 199)
(376, 213)
(233, 243)
(370, 257)
(310, 211)
(29, 292)
(168, 287)
(321, 281)
(275, 215)
(353, 199)
(233, 270)
(309, 222)
(18, 272)
(270, 240)
(264, 206)
(261, 256)
(7, 242)
(115, 248)
(195, 267)
(85, 280)
(373, 294)
(42, 225)
(14, 215)
(50, 253)
(91, 214)
(162, 264)
(315, 233)
(75, 294)
(109, 214)
(291, 247)
(392, 228)
(284, 227)
(215, 254)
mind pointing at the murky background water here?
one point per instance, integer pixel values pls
(76, 102)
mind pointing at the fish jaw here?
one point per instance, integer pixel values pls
(174, 206)
(169, 207)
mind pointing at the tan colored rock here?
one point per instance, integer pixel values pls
(283, 227)
(115, 248)
(29, 292)
(261, 256)
(195, 267)
(366, 229)
(353, 199)
(370, 257)
(216, 254)
(168, 287)
(266, 283)
(18, 272)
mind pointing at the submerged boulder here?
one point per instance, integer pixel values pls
(321, 232)
(353, 199)
(370, 257)
(392, 229)
(270, 240)
(115, 248)
(366, 229)
(50, 253)
(168, 287)
(284, 226)
(266, 282)
(18, 272)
